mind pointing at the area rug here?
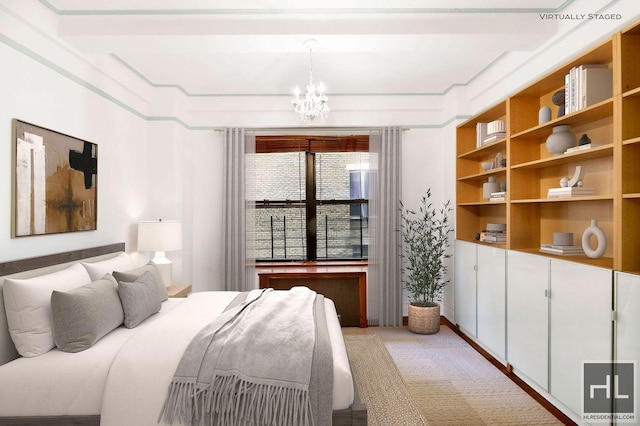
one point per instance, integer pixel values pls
(451, 383)
(380, 384)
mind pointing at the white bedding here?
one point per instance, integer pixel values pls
(131, 389)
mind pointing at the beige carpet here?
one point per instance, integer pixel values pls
(380, 384)
(451, 383)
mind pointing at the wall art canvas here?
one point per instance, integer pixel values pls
(55, 182)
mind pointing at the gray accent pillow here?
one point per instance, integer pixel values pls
(82, 316)
(139, 299)
(134, 274)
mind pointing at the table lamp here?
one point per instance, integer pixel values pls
(160, 236)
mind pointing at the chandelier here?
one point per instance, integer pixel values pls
(313, 103)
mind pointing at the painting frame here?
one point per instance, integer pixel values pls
(55, 182)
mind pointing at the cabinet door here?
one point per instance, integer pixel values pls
(492, 300)
(465, 286)
(580, 326)
(627, 307)
(528, 315)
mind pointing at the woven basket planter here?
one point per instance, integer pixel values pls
(424, 320)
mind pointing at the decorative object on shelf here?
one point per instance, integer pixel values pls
(489, 187)
(576, 180)
(558, 99)
(584, 140)
(499, 160)
(560, 140)
(314, 103)
(486, 165)
(544, 115)
(425, 237)
(563, 238)
(503, 186)
(496, 130)
(160, 236)
(601, 238)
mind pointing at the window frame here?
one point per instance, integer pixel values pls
(310, 145)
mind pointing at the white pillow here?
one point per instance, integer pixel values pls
(27, 303)
(97, 270)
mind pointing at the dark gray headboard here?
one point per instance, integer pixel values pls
(32, 267)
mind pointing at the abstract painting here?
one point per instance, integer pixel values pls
(55, 182)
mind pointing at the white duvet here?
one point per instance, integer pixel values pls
(125, 375)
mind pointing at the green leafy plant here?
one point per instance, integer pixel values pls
(425, 237)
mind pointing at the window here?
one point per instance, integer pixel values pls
(311, 198)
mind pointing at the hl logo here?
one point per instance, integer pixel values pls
(608, 390)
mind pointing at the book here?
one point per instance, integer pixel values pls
(574, 191)
(562, 250)
(481, 133)
(582, 147)
(498, 196)
(493, 237)
(494, 137)
(596, 85)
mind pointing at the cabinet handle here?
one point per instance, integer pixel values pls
(547, 293)
(614, 316)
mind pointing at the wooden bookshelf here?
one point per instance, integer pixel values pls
(611, 167)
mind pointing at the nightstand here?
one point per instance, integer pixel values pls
(179, 290)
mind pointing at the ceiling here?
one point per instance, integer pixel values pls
(247, 48)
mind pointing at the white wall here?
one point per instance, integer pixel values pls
(36, 94)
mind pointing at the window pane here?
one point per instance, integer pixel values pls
(280, 176)
(280, 233)
(342, 235)
(333, 175)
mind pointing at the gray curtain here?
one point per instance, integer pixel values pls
(384, 277)
(238, 266)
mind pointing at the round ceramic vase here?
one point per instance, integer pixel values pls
(560, 140)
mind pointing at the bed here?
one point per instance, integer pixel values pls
(122, 378)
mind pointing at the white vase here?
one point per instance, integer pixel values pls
(595, 231)
(544, 115)
(489, 187)
(560, 140)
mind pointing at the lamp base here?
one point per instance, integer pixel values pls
(164, 266)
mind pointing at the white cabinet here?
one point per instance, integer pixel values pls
(528, 316)
(480, 301)
(580, 327)
(627, 330)
(465, 287)
(491, 300)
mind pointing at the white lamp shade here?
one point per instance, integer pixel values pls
(159, 236)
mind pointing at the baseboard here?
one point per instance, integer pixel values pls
(508, 371)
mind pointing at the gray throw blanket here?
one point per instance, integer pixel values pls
(255, 365)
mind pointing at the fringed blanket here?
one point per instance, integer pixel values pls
(261, 362)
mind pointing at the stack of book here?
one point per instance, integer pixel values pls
(562, 250)
(498, 237)
(586, 85)
(498, 196)
(490, 132)
(571, 191)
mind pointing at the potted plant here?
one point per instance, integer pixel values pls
(425, 238)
